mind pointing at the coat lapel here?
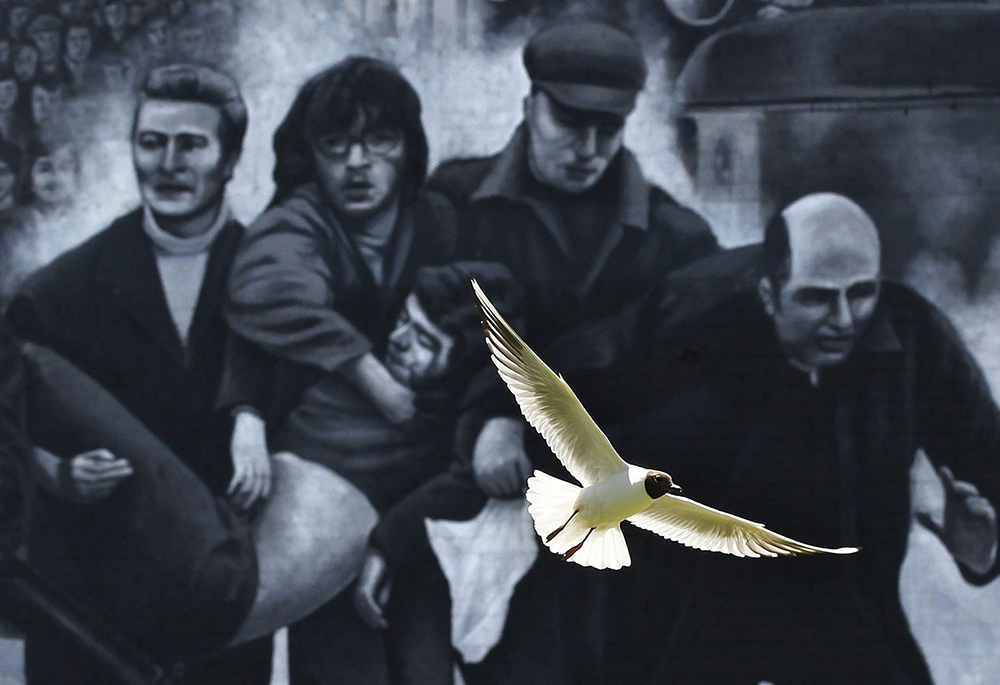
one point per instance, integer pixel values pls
(127, 266)
(208, 311)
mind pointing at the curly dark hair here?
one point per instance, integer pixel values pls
(445, 294)
(332, 100)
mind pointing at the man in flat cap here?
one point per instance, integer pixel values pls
(45, 31)
(566, 207)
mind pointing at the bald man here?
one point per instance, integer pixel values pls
(801, 403)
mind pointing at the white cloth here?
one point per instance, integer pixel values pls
(182, 263)
(483, 559)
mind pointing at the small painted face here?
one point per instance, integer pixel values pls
(44, 104)
(66, 8)
(178, 157)
(8, 94)
(156, 33)
(115, 15)
(136, 14)
(79, 43)
(191, 42)
(54, 178)
(26, 63)
(569, 149)
(8, 182)
(48, 43)
(360, 170)
(418, 350)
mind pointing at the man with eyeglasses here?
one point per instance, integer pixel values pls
(316, 288)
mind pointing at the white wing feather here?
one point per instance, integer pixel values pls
(547, 401)
(695, 525)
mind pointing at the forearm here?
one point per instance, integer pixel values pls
(283, 296)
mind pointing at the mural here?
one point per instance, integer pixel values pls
(245, 391)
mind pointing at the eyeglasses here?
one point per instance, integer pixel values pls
(378, 142)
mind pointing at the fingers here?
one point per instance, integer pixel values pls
(955, 486)
(980, 507)
(91, 467)
(251, 482)
(368, 609)
(928, 522)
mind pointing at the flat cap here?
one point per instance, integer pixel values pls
(587, 65)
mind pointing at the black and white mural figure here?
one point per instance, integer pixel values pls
(164, 267)
(608, 169)
(804, 400)
(316, 288)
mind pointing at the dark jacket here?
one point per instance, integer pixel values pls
(303, 302)
(505, 217)
(737, 408)
(101, 305)
(573, 325)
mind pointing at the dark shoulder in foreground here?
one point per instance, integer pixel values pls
(907, 307)
(75, 267)
(437, 217)
(691, 233)
(457, 179)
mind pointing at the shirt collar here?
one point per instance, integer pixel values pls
(176, 245)
(507, 179)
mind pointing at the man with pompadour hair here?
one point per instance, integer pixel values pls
(139, 308)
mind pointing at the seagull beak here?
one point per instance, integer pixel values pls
(675, 489)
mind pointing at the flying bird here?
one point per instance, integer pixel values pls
(583, 524)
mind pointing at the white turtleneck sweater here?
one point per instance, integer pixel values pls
(182, 263)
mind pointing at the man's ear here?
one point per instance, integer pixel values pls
(767, 295)
(230, 166)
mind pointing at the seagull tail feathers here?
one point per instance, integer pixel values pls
(551, 503)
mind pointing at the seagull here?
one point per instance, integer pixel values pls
(583, 522)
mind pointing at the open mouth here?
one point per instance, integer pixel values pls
(834, 344)
(357, 190)
(578, 173)
(172, 188)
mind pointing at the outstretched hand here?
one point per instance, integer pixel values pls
(968, 527)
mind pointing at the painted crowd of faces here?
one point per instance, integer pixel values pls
(58, 58)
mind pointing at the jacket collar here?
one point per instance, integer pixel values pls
(507, 179)
(127, 265)
(312, 206)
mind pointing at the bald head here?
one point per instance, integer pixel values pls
(822, 266)
(831, 237)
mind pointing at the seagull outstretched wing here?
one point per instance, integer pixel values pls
(547, 401)
(695, 525)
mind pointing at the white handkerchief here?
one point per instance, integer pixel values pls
(483, 559)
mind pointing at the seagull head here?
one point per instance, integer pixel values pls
(658, 484)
